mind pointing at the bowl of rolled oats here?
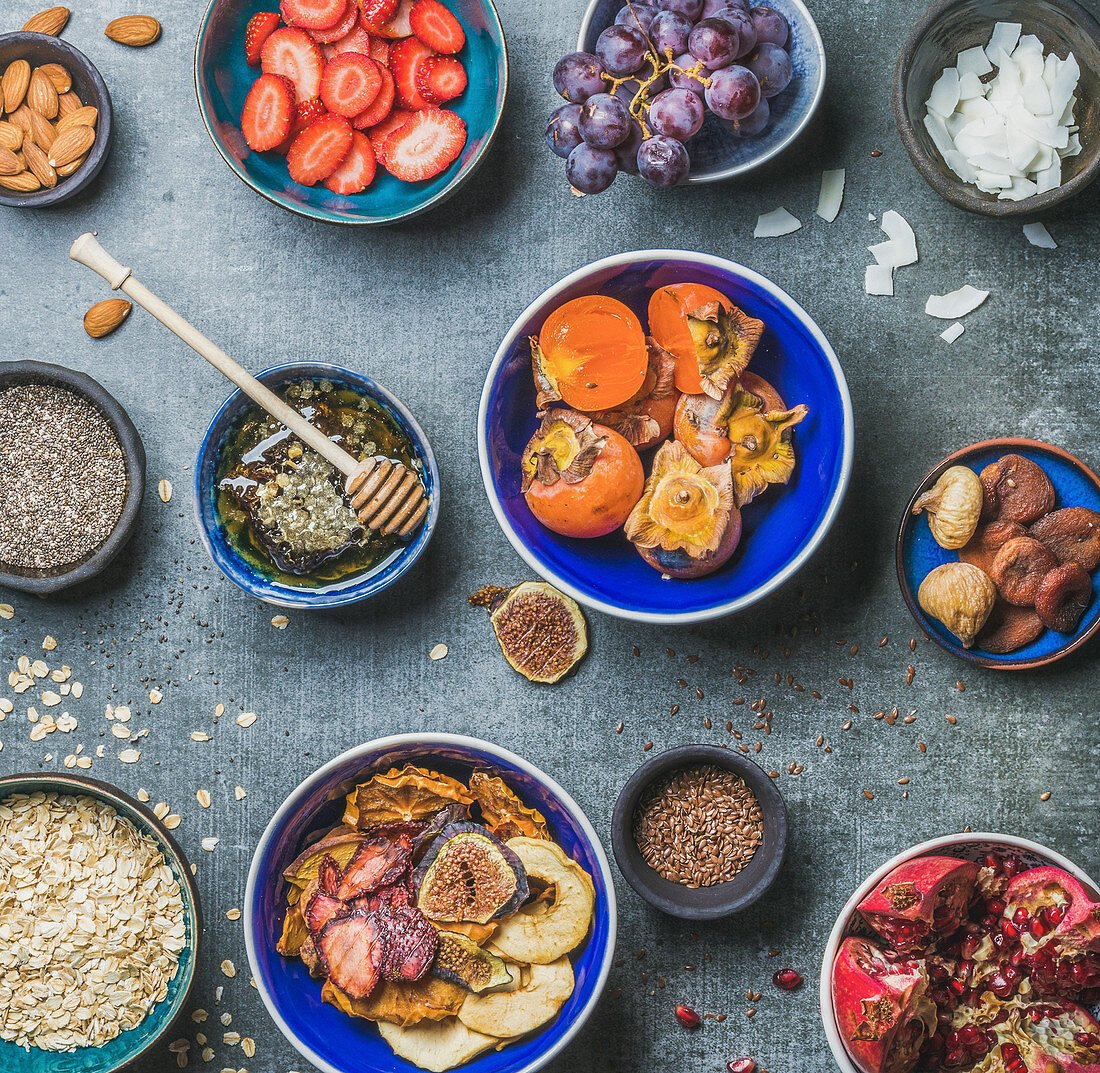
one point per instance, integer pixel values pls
(101, 925)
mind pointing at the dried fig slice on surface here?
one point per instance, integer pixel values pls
(1009, 628)
(1019, 568)
(1015, 489)
(352, 949)
(1063, 596)
(988, 539)
(1073, 534)
(541, 631)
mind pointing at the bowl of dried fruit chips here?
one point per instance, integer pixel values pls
(429, 901)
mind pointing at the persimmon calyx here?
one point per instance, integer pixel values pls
(547, 391)
(761, 451)
(724, 343)
(564, 448)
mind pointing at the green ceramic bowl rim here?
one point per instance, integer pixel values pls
(63, 782)
(321, 215)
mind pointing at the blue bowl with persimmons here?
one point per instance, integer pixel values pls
(223, 79)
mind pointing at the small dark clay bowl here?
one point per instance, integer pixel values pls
(88, 84)
(703, 903)
(41, 582)
(950, 26)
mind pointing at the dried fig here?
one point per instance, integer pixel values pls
(1009, 628)
(953, 505)
(982, 548)
(541, 631)
(1015, 489)
(1073, 534)
(1019, 567)
(1063, 596)
(961, 596)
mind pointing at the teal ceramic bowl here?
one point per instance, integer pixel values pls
(138, 1042)
(223, 79)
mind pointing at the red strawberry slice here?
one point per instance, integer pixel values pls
(406, 56)
(436, 26)
(306, 113)
(380, 50)
(313, 14)
(381, 106)
(350, 84)
(260, 27)
(441, 79)
(356, 40)
(375, 12)
(319, 150)
(356, 173)
(268, 112)
(380, 133)
(428, 144)
(348, 20)
(399, 25)
(292, 53)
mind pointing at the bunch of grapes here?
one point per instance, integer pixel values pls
(657, 71)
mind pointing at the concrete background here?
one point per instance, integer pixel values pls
(422, 308)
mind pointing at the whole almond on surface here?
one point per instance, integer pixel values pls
(23, 183)
(21, 118)
(11, 136)
(10, 164)
(133, 30)
(104, 317)
(51, 21)
(43, 132)
(41, 95)
(68, 102)
(14, 84)
(58, 75)
(40, 166)
(75, 142)
(86, 116)
(66, 170)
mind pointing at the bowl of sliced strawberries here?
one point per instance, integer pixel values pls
(352, 111)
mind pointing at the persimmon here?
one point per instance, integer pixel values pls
(590, 354)
(757, 385)
(646, 419)
(580, 479)
(668, 310)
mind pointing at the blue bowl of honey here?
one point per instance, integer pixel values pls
(272, 514)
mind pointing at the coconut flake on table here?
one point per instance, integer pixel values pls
(832, 194)
(956, 304)
(775, 223)
(899, 250)
(950, 334)
(1039, 236)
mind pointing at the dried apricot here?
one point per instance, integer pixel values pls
(1015, 489)
(982, 548)
(1063, 596)
(1073, 534)
(1018, 569)
(1009, 628)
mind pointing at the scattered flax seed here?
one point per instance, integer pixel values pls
(199, 735)
(674, 710)
(229, 969)
(952, 720)
(912, 644)
(910, 718)
(636, 650)
(910, 674)
(619, 727)
(820, 740)
(203, 798)
(923, 748)
(903, 781)
(853, 650)
(867, 794)
(246, 719)
(751, 1012)
(1045, 795)
(439, 652)
(729, 728)
(773, 774)
(707, 723)
(847, 724)
(648, 745)
(960, 687)
(883, 642)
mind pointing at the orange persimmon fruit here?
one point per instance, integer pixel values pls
(668, 310)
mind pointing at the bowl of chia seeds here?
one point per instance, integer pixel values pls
(72, 475)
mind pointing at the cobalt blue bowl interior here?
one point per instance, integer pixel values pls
(717, 153)
(223, 79)
(782, 528)
(141, 1041)
(239, 570)
(337, 1043)
(917, 551)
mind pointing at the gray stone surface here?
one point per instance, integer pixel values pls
(422, 307)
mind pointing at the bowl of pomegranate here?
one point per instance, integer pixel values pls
(973, 951)
(666, 436)
(352, 111)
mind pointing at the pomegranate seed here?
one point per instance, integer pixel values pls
(958, 986)
(995, 906)
(993, 862)
(1009, 1052)
(741, 1065)
(1001, 987)
(688, 1017)
(1011, 865)
(969, 1035)
(1082, 1038)
(1038, 928)
(954, 1058)
(787, 979)
(1036, 1014)
(1010, 930)
(1053, 915)
(1021, 916)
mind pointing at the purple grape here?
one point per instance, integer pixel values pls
(663, 161)
(692, 9)
(669, 32)
(717, 7)
(682, 81)
(733, 93)
(638, 16)
(715, 42)
(679, 113)
(577, 76)
(591, 170)
(742, 22)
(626, 153)
(752, 124)
(604, 121)
(772, 67)
(770, 26)
(563, 133)
(621, 50)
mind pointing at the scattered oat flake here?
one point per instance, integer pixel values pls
(233, 914)
(240, 793)
(164, 490)
(171, 821)
(203, 798)
(199, 735)
(208, 844)
(776, 223)
(123, 714)
(130, 756)
(280, 622)
(832, 194)
(120, 731)
(248, 1045)
(155, 696)
(246, 719)
(1039, 236)
(439, 652)
(78, 690)
(161, 809)
(6, 611)
(50, 698)
(49, 643)
(229, 969)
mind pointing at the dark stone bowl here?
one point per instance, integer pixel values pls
(88, 84)
(703, 903)
(950, 26)
(41, 582)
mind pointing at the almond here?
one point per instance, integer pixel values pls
(9, 162)
(39, 164)
(11, 136)
(13, 85)
(86, 116)
(134, 30)
(42, 96)
(76, 141)
(42, 131)
(21, 118)
(58, 75)
(68, 102)
(66, 170)
(51, 21)
(24, 182)
(104, 317)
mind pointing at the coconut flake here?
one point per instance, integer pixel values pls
(945, 93)
(901, 234)
(1004, 38)
(956, 304)
(973, 61)
(949, 335)
(832, 194)
(879, 280)
(775, 223)
(1039, 236)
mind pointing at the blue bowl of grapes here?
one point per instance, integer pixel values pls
(684, 91)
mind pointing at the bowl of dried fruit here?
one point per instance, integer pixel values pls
(996, 553)
(431, 901)
(57, 124)
(968, 951)
(99, 901)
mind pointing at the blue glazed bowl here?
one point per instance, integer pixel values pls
(336, 1043)
(917, 551)
(241, 572)
(717, 153)
(781, 530)
(129, 1046)
(223, 79)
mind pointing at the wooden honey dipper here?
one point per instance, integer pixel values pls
(387, 496)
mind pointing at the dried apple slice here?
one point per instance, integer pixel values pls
(542, 992)
(504, 813)
(403, 795)
(436, 1045)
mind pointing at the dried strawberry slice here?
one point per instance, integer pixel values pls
(328, 875)
(352, 950)
(411, 943)
(385, 900)
(376, 863)
(321, 909)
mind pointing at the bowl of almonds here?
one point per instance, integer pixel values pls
(55, 119)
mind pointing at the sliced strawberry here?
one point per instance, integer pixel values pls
(348, 21)
(306, 113)
(381, 106)
(260, 27)
(356, 40)
(350, 84)
(313, 14)
(356, 173)
(380, 133)
(376, 12)
(268, 112)
(380, 50)
(399, 25)
(440, 79)
(319, 150)
(436, 26)
(352, 950)
(406, 56)
(322, 908)
(292, 53)
(428, 144)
